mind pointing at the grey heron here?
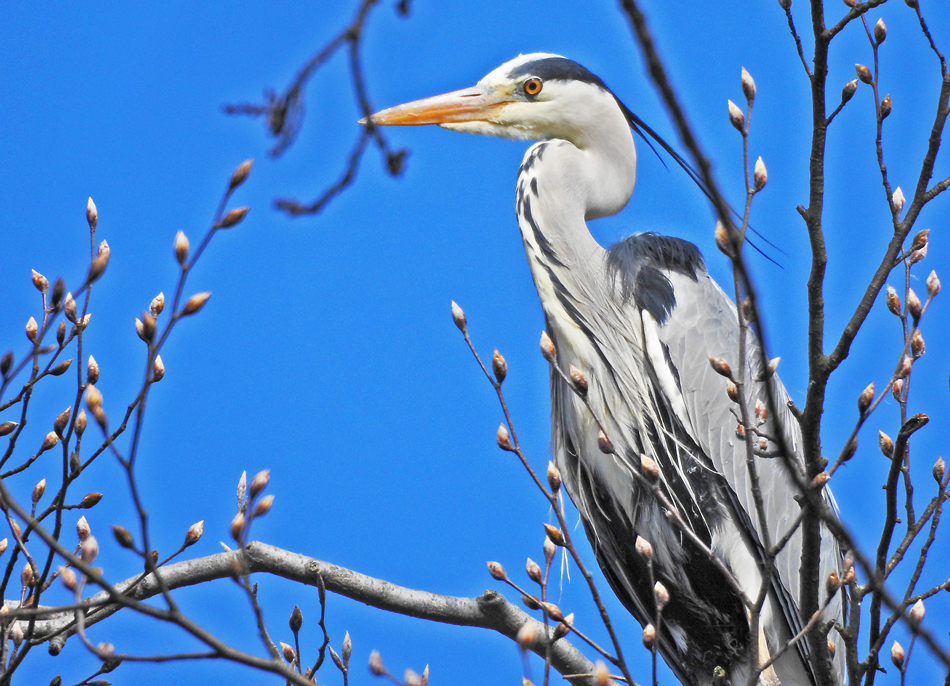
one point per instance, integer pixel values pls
(640, 320)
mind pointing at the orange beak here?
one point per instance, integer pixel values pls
(468, 104)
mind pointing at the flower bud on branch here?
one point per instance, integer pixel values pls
(458, 316)
(736, 118)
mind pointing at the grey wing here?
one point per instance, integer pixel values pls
(702, 323)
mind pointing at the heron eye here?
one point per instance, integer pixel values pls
(532, 86)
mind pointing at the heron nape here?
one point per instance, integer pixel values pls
(640, 320)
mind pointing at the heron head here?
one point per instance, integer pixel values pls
(537, 97)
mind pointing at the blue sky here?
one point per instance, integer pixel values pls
(327, 352)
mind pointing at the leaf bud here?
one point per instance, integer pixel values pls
(259, 482)
(920, 239)
(181, 247)
(31, 329)
(760, 175)
(864, 73)
(897, 655)
(92, 214)
(90, 500)
(886, 105)
(748, 85)
(933, 284)
(497, 571)
(644, 548)
(69, 308)
(604, 443)
(552, 611)
(557, 538)
(530, 602)
(897, 388)
(80, 422)
(93, 397)
(732, 391)
(848, 91)
(938, 470)
(601, 673)
(893, 301)
(98, 266)
(917, 347)
(760, 410)
(49, 442)
(39, 281)
(886, 444)
(240, 174)
(6, 362)
(376, 664)
(27, 577)
(264, 505)
(234, 217)
(660, 595)
(562, 628)
(554, 477)
(237, 526)
(458, 316)
(723, 241)
(8, 427)
(820, 480)
(649, 467)
(499, 366)
(3, 545)
(549, 549)
(157, 305)
(578, 381)
(62, 421)
(913, 304)
(241, 489)
(195, 303)
(123, 536)
(289, 654)
(38, 491)
(736, 118)
(865, 399)
(296, 621)
(61, 333)
(832, 583)
(720, 366)
(898, 199)
(145, 331)
(917, 612)
(62, 367)
(534, 570)
(89, 549)
(158, 369)
(68, 577)
(503, 439)
(831, 647)
(92, 371)
(649, 636)
(880, 31)
(547, 348)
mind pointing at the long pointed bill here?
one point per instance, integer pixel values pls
(468, 104)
